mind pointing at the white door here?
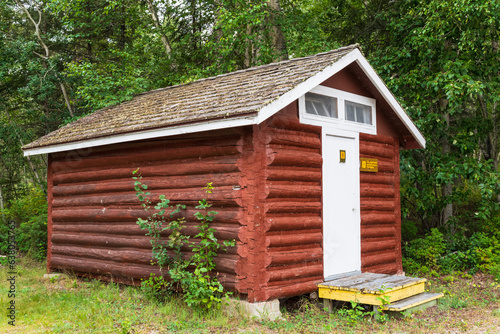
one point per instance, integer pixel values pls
(341, 206)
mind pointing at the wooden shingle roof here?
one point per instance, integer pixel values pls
(228, 95)
(239, 98)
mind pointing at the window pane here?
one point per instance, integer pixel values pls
(321, 105)
(350, 115)
(358, 113)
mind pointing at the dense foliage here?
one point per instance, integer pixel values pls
(30, 216)
(61, 59)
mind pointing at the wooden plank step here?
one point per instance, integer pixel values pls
(413, 303)
(371, 288)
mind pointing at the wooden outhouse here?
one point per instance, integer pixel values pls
(303, 154)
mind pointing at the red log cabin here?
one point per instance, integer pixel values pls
(303, 154)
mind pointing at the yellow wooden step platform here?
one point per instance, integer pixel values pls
(378, 290)
(414, 303)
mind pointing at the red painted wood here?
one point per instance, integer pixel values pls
(293, 287)
(209, 165)
(115, 215)
(298, 238)
(397, 180)
(377, 204)
(292, 271)
(380, 211)
(152, 152)
(281, 173)
(292, 205)
(384, 268)
(285, 189)
(372, 218)
(50, 223)
(94, 208)
(380, 257)
(377, 178)
(164, 182)
(287, 137)
(377, 245)
(376, 150)
(374, 191)
(293, 208)
(296, 255)
(277, 222)
(380, 139)
(377, 231)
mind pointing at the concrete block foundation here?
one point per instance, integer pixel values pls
(269, 310)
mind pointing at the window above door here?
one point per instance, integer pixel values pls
(324, 106)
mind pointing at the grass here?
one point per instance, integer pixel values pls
(73, 305)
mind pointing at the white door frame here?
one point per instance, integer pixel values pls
(330, 209)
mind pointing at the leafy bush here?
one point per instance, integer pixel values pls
(409, 230)
(191, 274)
(30, 215)
(479, 252)
(426, 251)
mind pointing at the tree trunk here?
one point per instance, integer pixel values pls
(1, 205)
(66, 98)
(277, 37)
(448, 188)
(248, 48)
(47, 55)
(156, 22)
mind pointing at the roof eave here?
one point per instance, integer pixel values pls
(146, 134)
(389, 97)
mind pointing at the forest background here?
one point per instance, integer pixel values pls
(63, 59)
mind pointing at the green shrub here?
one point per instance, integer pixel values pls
(425, 251)
(409, 230)
(479, 251)
(30, 215)
(192, 274)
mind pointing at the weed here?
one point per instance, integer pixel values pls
(457, 303)
(384, 300)
(125, 326)
(193, 275)
(448, 279)
(355, 314)
(462, 324)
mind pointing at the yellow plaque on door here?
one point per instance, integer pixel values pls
(368, 165)
(342, 155)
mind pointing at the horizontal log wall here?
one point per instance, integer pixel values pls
(293, 216)
(93, 207)
(380, 206)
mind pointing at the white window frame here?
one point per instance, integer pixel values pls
(341, 122)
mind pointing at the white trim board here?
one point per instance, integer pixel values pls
(263, 114)
(340, 123)
(147, 134)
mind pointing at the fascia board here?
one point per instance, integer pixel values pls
(147, 134)
(382, 88)
(304, 87)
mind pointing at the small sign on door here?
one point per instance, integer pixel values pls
(342, 156)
